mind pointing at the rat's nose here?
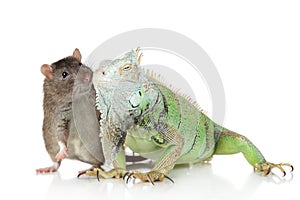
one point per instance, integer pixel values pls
(85, 75)
(87, 78)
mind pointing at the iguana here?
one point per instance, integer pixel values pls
(160, 124)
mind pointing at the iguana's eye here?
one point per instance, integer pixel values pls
(126, 67)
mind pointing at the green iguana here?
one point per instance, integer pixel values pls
(160, 124)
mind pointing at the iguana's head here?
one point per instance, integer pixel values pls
(126, 68)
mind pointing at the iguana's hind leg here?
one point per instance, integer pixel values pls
(232, 143)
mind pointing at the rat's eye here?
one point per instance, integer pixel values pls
(127, 67)
(65, 75)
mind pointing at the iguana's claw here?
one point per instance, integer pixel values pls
(151, 176)
(82, 172)
(266, 167)
(91, 172)
(99, 173)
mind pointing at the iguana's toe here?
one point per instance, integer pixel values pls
(151, 176)
(267, 167)
(100, 173)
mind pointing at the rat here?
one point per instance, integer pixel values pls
(70, 125)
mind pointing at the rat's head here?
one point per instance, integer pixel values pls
(61, 75)
(126, 68)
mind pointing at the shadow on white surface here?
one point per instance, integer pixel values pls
(197, 182)
(227, 177)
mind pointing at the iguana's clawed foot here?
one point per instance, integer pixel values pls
(151, 176)
(266, 167)
(99, 173)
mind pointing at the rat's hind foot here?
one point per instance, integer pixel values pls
(47, 170)
(100, 173)
(151, 176)
(266, 167)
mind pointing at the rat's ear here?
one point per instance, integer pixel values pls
(47, 71)
(77, 54)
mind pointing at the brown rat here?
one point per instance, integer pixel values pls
(67, 133)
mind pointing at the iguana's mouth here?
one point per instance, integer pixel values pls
(112, 80)
(134, 106)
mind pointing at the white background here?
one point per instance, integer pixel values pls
(255, 46)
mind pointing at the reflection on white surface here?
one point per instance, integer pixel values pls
(201, 181)
(196, 182)
(226, 177)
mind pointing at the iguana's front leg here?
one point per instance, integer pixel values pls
(118, 171)
(170, 139)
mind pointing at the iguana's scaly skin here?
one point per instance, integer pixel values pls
(166, 127)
